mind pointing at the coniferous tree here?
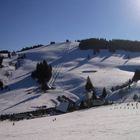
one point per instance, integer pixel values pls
(94, 97)
(82, 105)
(1, 60)
(43, 74)
(135, 97)
(90, 88)
(104, 93)
(1, 84)
(136, 76)
(9, 55)
(52, 42)
(89, 85)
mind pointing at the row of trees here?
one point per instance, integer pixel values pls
(111, 45)
(42, 74)
(32, 47)
(2, 52)
(53, 42)
(37, 46)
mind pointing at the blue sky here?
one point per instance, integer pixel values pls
(25, 23)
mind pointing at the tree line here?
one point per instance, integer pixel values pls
(111, 45)
(32, 47)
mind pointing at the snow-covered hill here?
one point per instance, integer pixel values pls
(71, 67)
(115, 122)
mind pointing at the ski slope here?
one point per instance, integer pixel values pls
(120, 121)
(71, 67)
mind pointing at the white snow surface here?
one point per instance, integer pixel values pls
(115, 122)
(71, 67)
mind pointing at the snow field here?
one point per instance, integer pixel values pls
(103, 123)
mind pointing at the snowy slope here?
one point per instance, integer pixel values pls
(104, 123)
(71, 67)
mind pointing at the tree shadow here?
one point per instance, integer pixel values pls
(79, 64)
(129, 68)
(106, 57)
(81, 58)
(23, 75)
(26, 82)
(24, 101)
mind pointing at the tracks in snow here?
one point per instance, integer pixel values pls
(58, 68)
